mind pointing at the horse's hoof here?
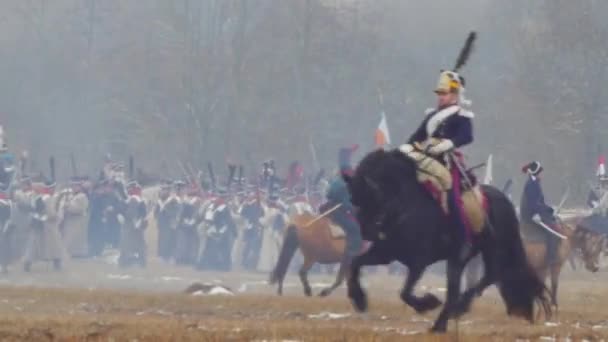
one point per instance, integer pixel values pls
(428, 303)
(360, 303)
(440, 327)
(307, 292)
(325, 293)
(463, 305)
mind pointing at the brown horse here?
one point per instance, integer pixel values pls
(318, 242)
(580, 240)
(589, 245)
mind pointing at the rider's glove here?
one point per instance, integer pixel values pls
(406, 148)
(442, 147)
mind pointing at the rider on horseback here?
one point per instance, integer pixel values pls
(444, 128)
(339, 203)
(534, 210)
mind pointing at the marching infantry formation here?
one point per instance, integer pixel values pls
(199, 221)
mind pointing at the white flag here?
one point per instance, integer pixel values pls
(382, 137)
(488, 177)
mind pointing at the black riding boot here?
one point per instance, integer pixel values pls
(552, 250)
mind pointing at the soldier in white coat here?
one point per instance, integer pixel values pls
(75, 206)
(273, 225)
(44, 241)
(22, 199)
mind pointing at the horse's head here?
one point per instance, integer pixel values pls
(592, 245)
(382, 179)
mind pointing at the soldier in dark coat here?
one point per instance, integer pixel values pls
(534, 211)
(342, 210)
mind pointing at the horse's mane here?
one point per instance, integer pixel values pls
(387, 167)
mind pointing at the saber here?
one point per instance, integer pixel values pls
(539, 221)
(334, 208)
(563, 201)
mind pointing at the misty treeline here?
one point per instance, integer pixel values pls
(246, 80)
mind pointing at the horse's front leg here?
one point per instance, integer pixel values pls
(427, 302)
(355, 291)
(454, 273)
(303, 273)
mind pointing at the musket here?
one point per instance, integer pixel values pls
(231, 171)
(73, 164)
(211, 175)
(131, 166)
(240, 179)
(52, 169)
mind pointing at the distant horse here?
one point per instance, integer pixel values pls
(406, 224)
(536, 250)
(587, 244)
(320, 241)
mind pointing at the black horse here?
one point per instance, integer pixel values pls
(407, 225)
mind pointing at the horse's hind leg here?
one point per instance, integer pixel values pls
(488, 278)
(555, 270)
(344, 264)
(421, 305)
(454, 274)
(303, 273)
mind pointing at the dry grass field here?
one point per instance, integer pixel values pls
(96, 302)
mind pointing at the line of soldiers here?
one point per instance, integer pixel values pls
(207, 226)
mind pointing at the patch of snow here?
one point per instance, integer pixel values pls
(214, 291)
(329, 315)
(119, 276)
(420, 320)
(168, 278)
(552, 324)
(547, 338)
(110, 257)
(400, 331)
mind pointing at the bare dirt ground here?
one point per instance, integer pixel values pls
(92, 300)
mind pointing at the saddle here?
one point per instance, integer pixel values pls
(306, 218)
(336, 231)
(534, 233)
(437, 179)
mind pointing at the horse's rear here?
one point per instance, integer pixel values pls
(315, 240)
(518, 283)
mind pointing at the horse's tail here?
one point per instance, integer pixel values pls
(519, 285)
(290, 245)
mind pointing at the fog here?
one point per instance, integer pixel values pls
(217, 80)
